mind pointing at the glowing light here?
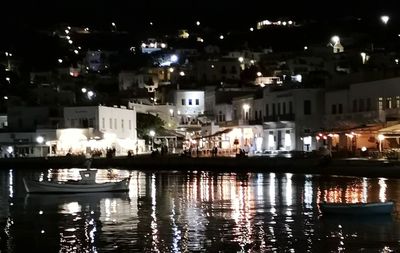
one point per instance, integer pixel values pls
(60, 61)
(90, 94)
(259, 74)
(221, 37)
(70, 41)
(381, 137)
(76, 51)
(182, 73)
(40, 139)
(198, 23)
(335, 39)
(246, 107)
(305, 48)
(174, 58)
(385, 19)
(5, 97)
(171, 70)
(241, 59)
(84, 90)
(152, 133)
(251, 29)
(363, 149)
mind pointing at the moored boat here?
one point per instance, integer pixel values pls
(371, 208)
(85, 185)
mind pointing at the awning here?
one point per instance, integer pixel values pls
(218, 133)
(391, 131)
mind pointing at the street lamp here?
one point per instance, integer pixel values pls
(152, 134)
(40, 141)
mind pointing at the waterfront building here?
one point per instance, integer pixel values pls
(113, 128)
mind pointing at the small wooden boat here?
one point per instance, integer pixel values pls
(371, 208)
(85, 185)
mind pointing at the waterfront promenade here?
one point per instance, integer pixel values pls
(349, 166)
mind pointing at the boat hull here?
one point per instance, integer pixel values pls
(358, 208)
(61, 187)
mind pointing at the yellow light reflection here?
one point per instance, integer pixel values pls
(382, 189)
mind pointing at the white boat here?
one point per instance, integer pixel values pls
(371, 208)
(85, 185)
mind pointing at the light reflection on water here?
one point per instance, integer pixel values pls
(195, 211)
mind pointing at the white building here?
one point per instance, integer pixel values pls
(115, 127)
(354, 115)
(189, 105)
(291, 117)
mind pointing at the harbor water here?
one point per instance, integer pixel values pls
(196, 211)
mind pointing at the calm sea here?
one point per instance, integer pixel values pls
(195, 211)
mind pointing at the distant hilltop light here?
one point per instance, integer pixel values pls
(251, 29)
(266, 23)
(385, 19)
(198, 23)
(221, 37)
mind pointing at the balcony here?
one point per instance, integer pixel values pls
(277, 118)
(356, 118)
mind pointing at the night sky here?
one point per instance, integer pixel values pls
(135, 13)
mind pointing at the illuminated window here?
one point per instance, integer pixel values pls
(380, 103)
(397, 101)
(388, 103)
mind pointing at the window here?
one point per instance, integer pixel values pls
(190, 101)
(368, 104)
(183, 101)
(115, 123)
(307, 107)
(284, 108)
(91, 122)
(397, 101)
(388, 103)
(122, 124)
(110, 123)
(290, 107)
(333, 109)
(380, 103)
(354, 105)
(197, 101)
(279, 108)
(267, 110)
(235, 114)
(361, 105)
(72, 123)
(273, 110)
(103, 123)
(130, 125)
(340, 109)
